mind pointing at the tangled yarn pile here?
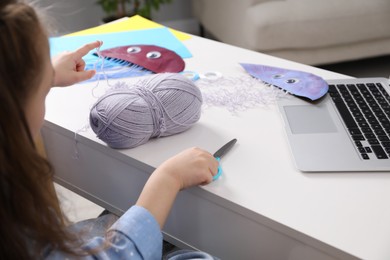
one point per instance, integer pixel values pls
(156, 106)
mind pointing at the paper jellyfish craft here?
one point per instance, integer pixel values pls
(298, 83)
(138, 60)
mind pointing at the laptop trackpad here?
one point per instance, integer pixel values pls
(309, 119)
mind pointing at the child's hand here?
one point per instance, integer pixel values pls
(191, 167)
(69, 67)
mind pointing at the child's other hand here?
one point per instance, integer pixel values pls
(69, 66)
(191, 167)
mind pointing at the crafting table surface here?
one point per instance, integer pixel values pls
(348, 211)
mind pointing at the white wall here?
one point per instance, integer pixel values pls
(177, 15)
(75, 15)
(72, 15)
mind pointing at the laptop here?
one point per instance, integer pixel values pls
(346, 130)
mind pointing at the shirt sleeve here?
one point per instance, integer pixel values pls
(135, 235)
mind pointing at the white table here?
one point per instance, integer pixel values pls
(262, 207)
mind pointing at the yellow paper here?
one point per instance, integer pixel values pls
(128, 24)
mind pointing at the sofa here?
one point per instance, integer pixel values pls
(314, 32)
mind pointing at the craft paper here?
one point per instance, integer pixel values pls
(113, 69)
(299, 83)
(158, 36)
(129, 24)
(150, 57)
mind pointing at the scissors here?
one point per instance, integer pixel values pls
(221, 152)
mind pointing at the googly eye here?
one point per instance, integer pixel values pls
(292, 81)
(278, 76)
(153, 55)
(133, 49)
(211, 75)
(190, 75)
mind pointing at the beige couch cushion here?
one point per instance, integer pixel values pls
(308, 31)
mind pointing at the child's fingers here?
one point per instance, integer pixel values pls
(81, 52)
(85, 75)
(80, 66)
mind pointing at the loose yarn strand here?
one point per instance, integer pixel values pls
(102, 69)
(237, 93)
(76, 154)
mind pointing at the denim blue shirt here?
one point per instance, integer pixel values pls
(135, 235)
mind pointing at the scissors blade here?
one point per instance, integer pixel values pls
(224, 149)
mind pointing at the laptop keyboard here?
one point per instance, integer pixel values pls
(365, 109)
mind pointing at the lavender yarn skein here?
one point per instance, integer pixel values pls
(156, 106)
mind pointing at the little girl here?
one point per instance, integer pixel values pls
(32, 224)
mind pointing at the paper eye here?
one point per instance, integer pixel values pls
(153, 55)
(292, 81)
(133, 49)
(278, 76)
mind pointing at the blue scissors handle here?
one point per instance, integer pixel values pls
(219, 173)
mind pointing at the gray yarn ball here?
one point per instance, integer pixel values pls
(156, 106)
